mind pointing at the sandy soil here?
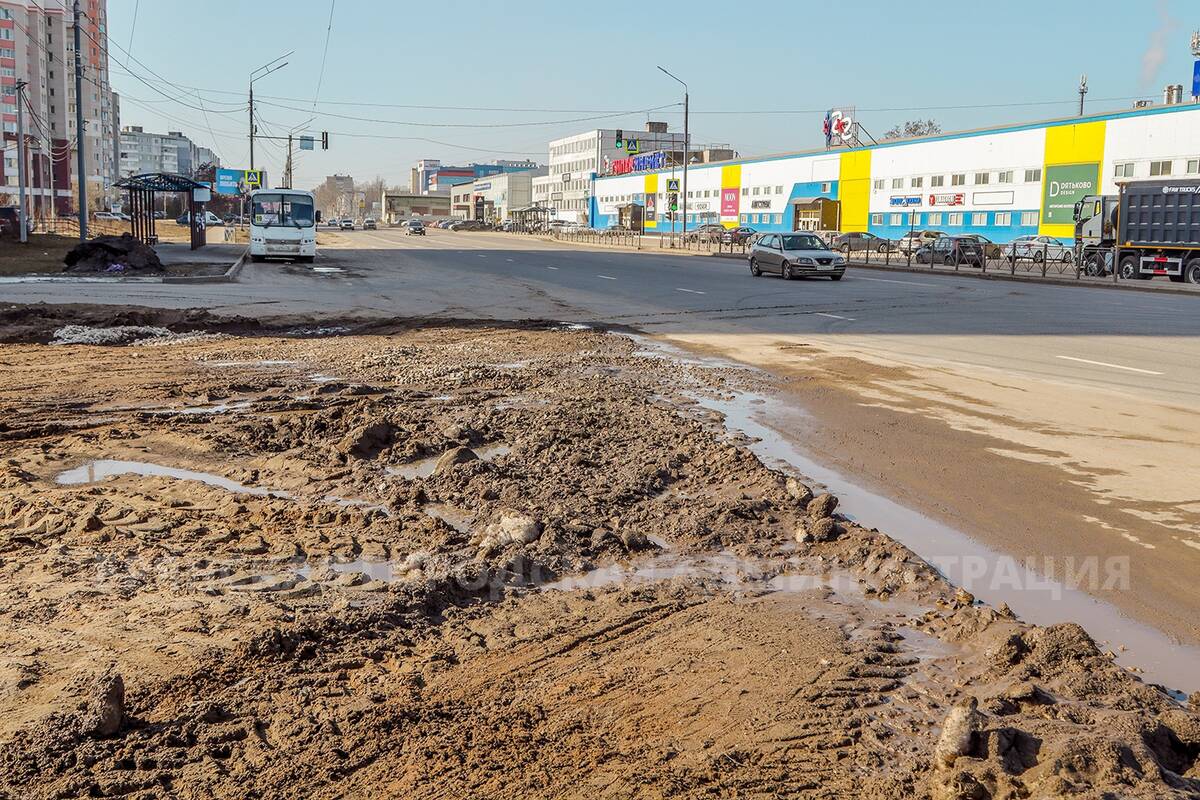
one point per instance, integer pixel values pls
(1085, 476)
(462, 560)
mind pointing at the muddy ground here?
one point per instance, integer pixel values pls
(319, 559)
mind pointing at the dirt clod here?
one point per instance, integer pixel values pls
(822, 506)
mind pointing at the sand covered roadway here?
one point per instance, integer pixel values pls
(461, 559)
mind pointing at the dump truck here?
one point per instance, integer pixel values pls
(1149, 228)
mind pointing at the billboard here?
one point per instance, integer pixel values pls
(729, 202)
(229, 180)
(1066, 185)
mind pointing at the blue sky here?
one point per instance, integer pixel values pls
(759, 73)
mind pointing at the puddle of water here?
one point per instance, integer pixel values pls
(424, 467)
(218, 408)
(317, 377)
(375, 570)
(266, 362)
(103, 468)
(988, 574)
(327, 269)
(571, 326)
(456, 518)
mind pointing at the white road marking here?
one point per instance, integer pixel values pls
(606, 277)
(480, 255)
(1113, 366)
(551, 267)
(904, 283)
(833, 316)
(509, 260)
(689, 291)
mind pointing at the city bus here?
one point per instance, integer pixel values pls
(283, 224)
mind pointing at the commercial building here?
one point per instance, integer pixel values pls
(37, 47)
(492, 199)
(398, 207)
(431, 176)
(1000, 183)
(577, 161)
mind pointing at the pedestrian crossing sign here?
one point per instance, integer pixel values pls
(672, 184)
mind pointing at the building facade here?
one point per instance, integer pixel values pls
(493, 199)
(37, 47)
(1000, 183)
(142, 152)
(431, 176)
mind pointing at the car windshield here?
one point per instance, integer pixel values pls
(282, 209)
(802, 241)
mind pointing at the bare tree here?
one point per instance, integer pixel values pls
(914, 128)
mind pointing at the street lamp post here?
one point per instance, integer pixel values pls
(265, 70)
(686, 144)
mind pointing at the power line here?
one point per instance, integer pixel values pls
(324, 54)
(133, 27)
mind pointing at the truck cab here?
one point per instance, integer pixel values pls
(1095, 232)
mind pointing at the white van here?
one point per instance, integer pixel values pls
(283, 224)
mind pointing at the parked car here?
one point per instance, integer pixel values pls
(10, 221)
(991, 250)
(913, 241)
(952, 250)
(333, 222)
(160, 215)
(827, 236)
(738, 235)
(346, 225)
(709, 232)
(793, 255)
(210, 220)
(1035, 248)
(369, 224)
(111, 216)
(467, 225)
(414, 227)
(857, 240)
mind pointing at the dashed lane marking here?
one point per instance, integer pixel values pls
(689, 291)
(833, 316)
(1110, 366)
(606, 277)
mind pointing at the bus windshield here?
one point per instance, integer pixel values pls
(282, 209)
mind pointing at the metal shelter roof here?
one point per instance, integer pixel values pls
(159, 182)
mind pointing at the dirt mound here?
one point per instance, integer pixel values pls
(113, 254)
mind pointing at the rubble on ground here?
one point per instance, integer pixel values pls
(113, 254)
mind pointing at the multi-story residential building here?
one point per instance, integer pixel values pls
(37, 48)
(173, 152)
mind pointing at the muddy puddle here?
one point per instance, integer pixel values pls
(990, 575)
(101, 469)
(425, 467)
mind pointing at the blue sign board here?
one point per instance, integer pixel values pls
(905, 200)
(1196, 81)
(649, 161)
(228, 180)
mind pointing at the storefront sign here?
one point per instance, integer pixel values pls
(729, 202)
(993, 198)
(649, 161)
(697, 206)
(906, 200)
(482, 187)
(947, 199)
(760, 203)
(1066, 185)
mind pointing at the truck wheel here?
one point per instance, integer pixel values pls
(1191, 272)
(1128, 270)
(1094, 266)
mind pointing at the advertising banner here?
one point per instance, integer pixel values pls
(948, 199)
(651, 207)
(228, 180)
(729, 202)
(1066, 185)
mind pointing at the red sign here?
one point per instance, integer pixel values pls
(729, 202)
(947, 199)
(621, 166)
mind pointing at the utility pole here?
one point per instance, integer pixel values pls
(265, 70)
(686, 146)
(79, 137)
(251, 124)
(22, 217)
(288, 169)
(1083, 90)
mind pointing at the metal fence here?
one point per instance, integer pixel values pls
(696, 243)
(1043, 261)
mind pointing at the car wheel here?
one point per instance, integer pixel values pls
(1129, 268)
(1067, 257)
(1038, 256)
(948, 261)
(845, 249)
(1191, 272)
(754, 269)
(786, 271)
(837, 277)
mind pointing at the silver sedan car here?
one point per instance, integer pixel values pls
(794, 255)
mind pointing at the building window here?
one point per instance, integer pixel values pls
(877, 219)
(979, 220)
(1029, 219)
(917, 183)
(745, 191)
(754, 218)
(1193, 166)
(954, 219)
(879, 185)
(778, 190)
(1124, 170)
(755, 190)
(744, 218)
(1005, 177)
(1003, 219)
(937, 180)
(897, 183)
(779, 219)
(935, 218)
(1033, 175)
(983, 178)
(897, 219)
(1160, 168)
(826, 187)
(958, 179)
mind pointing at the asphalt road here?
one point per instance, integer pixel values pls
(1114, 339)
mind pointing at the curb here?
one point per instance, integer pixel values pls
(228, 276)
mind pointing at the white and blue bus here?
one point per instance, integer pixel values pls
(283, 224)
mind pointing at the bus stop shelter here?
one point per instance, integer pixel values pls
(143, 188)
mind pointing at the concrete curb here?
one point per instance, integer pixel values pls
(228, 276)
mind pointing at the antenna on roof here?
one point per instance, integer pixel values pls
(1083, 90)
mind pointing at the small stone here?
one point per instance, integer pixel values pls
(822, 506)
(452, 458)
(964, 598)
(825, 529)
(959, 733)
(104, 706)
(798, 492)
(633, 540)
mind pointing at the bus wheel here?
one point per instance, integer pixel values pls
(1128, 269)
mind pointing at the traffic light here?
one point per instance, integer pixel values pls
(673, 201)
(324, 140)
(620, 139)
